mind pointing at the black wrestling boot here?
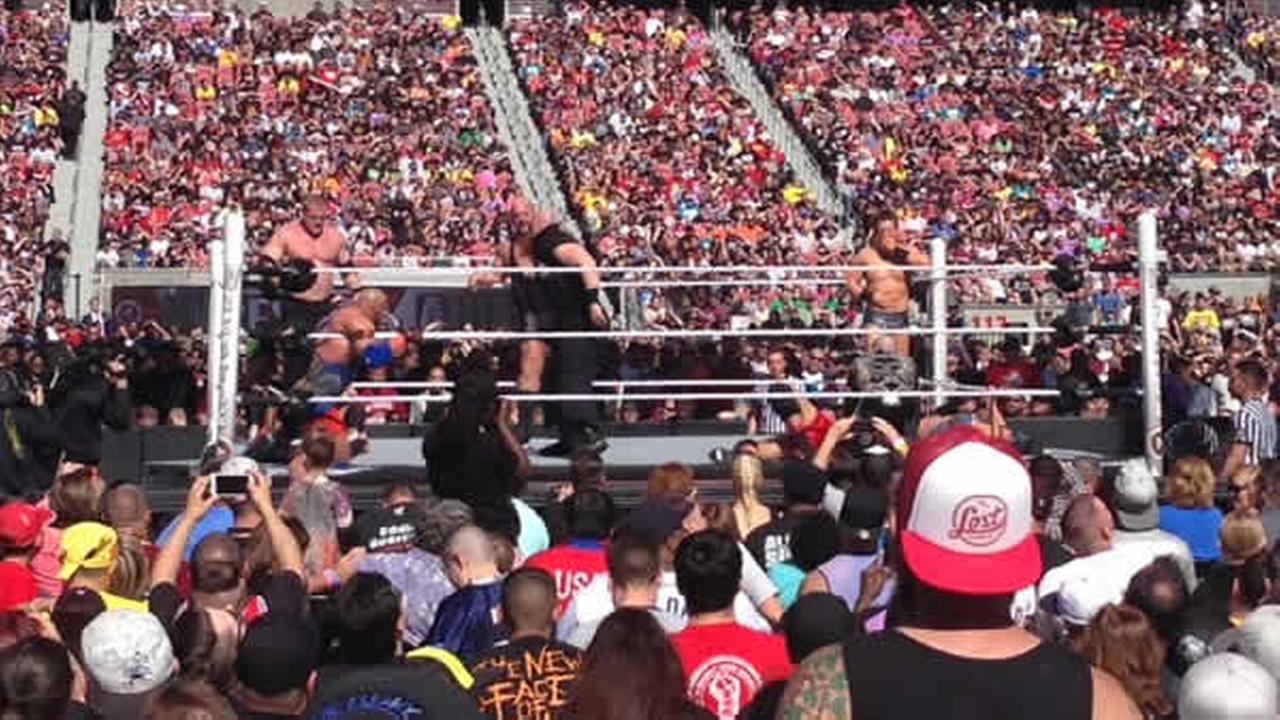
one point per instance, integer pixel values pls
(587, 439)
(524, 422)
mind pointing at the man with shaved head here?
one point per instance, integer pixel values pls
(532, 669)
(126, 509)
(1089, 530)
(466, 622)
(357, 322)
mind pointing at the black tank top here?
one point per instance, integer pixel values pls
(893, 677)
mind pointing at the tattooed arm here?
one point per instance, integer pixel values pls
(819, 689)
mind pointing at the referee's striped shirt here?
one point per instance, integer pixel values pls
(769, 422)
(1255, 426)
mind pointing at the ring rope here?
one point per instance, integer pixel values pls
(486, 335)
(622, 385)
(686, 269)
(640, 397)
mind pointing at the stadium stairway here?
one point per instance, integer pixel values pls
(64, 175)
(88, 55)
(807, 171)
(515, 124)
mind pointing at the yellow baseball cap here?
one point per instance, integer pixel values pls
(87, 546)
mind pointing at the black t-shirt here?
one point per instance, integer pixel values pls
(1048, 682)
(474, 467)
(412, 690)
(770, 543)
(556, 299)
(526, 678)
(165, 602)
(1210, 611)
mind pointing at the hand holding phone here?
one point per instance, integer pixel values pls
(200, 498)
(229, 486)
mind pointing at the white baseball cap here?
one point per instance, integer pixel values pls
(1136, 497)
(1083, 597)
(1227, 686)
(964, 513)
(127, 652)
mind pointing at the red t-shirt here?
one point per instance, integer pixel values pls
(816, 431)
(573, 565)
(726, 664)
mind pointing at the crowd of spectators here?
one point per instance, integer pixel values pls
(1021, 133)
(1258, 42)
(381, 109)
(33, 54)
(664, 161)
(463, 601)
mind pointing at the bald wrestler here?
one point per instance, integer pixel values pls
(555, 302)
(357, 321)
(338, 360)
(886, 294)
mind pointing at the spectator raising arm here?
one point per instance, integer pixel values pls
(288, 555)
(169, 560)
(117, 407)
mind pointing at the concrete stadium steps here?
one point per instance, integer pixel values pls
(807, 170)
(86, 215)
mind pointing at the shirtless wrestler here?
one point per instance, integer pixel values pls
(886, 294)
(315, 239)
(337, 361)
(357, 321)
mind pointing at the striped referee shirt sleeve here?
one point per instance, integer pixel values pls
(1248, 427)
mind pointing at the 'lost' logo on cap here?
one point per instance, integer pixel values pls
(979, 520)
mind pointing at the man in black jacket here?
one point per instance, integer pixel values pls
(71, 120)
(93, 395)
(28, 439)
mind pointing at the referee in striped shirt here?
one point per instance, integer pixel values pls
(764, 420)
(1254, 423)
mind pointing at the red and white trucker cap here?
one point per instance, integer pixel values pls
(964, 514)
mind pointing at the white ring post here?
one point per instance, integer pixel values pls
(233, 274)
(1149, 268)
(938, 314)
(213, 360)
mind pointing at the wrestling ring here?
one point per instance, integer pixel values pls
(630, 447)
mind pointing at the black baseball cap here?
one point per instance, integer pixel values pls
(417, 689)
(815, 621)
(655, 519)
(864, 512)
(396, 528)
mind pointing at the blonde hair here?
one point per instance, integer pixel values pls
(76, 497)
(1242, 536)
(748, 475)
(1191, 483)
(131, 573)
(1248, 479)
